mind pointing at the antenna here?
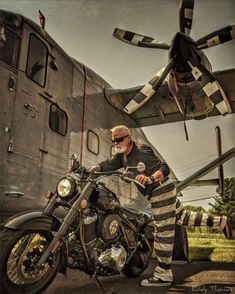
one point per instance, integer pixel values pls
(41, 19)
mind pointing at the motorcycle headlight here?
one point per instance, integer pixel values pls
(66, 187)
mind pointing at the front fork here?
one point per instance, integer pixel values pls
(69, 218)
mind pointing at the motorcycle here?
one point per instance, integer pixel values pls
(96, 235)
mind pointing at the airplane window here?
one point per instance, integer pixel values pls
(12, 21)
(9, 46)
(58, 120)
(93, 142)
(37, 61)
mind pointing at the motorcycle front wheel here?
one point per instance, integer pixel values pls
(19, 253)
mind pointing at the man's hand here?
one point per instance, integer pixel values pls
(158, 175)
(94, 168)
(144, 180)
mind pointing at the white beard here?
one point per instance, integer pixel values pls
(120, 149)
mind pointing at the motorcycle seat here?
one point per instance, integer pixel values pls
(134, 213)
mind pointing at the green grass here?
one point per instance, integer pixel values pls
(214, 247)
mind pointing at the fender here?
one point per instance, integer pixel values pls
(31, 220)
(36, 220)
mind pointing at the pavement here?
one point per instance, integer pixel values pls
(197, 277)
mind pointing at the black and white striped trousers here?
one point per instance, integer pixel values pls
(167, 211)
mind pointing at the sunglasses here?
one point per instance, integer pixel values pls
(119, 140)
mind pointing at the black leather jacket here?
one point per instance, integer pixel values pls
(139, 153)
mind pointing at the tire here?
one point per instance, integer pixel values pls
(137, 264)
(19, 252)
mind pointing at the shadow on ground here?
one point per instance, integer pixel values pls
(200, 277)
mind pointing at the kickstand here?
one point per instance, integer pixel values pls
(98, 283)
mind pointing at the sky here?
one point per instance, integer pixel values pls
(84, 28)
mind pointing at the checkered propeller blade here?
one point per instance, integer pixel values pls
(217, 37)
(210, 86)
(138, 39)
(148, 90)
(186, 16)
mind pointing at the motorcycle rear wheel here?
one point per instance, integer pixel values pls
(137, 264)
(20, 251)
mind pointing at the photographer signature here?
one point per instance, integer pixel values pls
(212, 288)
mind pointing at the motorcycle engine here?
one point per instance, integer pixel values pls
(76, 258)
(102, 237)
(108, 227)
(113, 258)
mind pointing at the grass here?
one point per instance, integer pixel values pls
(207, 246)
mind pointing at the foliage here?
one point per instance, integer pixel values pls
(199, 209)
(212, 247)
(225, 204)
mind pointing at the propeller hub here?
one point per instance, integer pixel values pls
(182, 48)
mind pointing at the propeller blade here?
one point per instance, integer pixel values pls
(210, 86)
(138, 39)
(148, 90)
(217, 37)
(186, 16)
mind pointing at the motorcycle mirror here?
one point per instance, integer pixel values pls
(141, 167)
(75, 163)
(73, 156)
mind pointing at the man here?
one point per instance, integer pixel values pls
(161, 192)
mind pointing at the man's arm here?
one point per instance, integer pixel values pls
(113, 163)
(161, 168)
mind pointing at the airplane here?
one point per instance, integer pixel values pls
(51, 107)
(186, 88)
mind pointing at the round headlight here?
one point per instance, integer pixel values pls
(66, 187)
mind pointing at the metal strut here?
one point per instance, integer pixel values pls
(205, 170)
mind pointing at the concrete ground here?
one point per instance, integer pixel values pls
(198, 277)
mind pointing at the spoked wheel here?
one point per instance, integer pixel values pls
(20, 251)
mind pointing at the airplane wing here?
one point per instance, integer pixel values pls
(162, 108)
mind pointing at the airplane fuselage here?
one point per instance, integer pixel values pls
(51, 107)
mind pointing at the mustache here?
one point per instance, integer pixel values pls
(120, 149)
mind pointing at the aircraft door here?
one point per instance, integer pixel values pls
(9, 49)
(27, 127)
(56, 137)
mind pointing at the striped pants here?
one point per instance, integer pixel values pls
(167, 211)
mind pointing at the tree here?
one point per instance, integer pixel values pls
(225, 204)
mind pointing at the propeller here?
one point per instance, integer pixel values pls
(148, 90)
(183, 57)
(186, 16)
(138, 39)
(210, 86)
(217, 37)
